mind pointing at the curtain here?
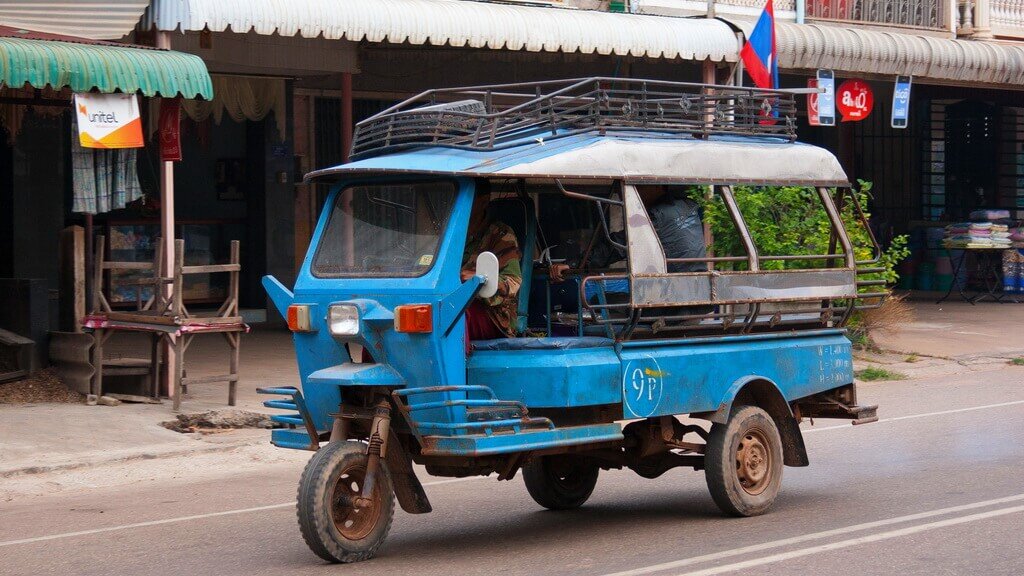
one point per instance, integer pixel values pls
(241, 98)
(102, 179)
(12, 115)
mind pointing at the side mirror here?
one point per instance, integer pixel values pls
(487, 266)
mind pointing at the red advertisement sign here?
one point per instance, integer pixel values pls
(170, 130)
(812, 104)
(855, 100)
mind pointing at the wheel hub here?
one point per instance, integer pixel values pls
(754, 462)
(354, 517)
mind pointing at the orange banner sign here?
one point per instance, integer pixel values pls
(108, 121)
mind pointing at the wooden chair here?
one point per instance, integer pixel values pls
(103, 270)
(225, 321)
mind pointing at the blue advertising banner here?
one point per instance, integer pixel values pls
(901, 102)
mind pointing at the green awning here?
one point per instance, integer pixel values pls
(103, 66)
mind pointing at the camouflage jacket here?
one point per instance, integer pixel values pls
(502, 308)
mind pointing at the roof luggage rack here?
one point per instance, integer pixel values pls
(505, 115)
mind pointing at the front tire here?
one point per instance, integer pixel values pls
(560, 483)
(332, 526)
(743, 462)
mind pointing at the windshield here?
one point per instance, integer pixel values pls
(384, 230)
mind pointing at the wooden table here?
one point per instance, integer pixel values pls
(178, 336)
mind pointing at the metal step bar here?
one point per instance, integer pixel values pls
(300, 417)
(492, 419)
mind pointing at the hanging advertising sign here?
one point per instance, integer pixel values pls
(855, 100)
(812, 104)
(826, 98)
(170, 130)
(108, 120)
(901, 102)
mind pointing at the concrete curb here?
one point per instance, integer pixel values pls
(149, 454)
(931, 366)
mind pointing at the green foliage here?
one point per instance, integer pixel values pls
(872, 373)
(790, 220)
(859, 339)
(1017, 361)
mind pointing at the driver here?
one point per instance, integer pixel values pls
(494, 317)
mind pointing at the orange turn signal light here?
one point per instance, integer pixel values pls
(414, 319)
(298, 318)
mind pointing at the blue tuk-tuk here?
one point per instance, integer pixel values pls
(600, 363)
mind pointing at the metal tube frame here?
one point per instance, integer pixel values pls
(751, 318)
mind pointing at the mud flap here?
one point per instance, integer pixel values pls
(408, 490)
(794, 453)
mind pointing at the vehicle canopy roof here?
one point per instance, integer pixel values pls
(634, 130)
(634, 158)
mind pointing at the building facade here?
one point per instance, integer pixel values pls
(290, 79)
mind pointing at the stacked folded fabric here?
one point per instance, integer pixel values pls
(990, 215)
(975, 235)
(1000, 234)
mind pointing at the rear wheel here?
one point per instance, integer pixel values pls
(331, 524)
(560, 483)
(743, 462)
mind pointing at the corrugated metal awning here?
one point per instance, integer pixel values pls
(42, 60)
(95, 19)
(848, 49)
(457, 23)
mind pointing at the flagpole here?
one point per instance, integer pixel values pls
(738, 80)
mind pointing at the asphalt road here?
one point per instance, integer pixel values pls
(936, 487)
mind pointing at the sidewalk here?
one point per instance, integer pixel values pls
(958, 330)
(951, 338)
(41, 438)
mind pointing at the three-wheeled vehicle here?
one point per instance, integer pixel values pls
(599, 368)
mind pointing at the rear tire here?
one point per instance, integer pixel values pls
(333, 528)
(743, 462)
(560, 483)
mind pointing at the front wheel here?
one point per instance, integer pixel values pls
(559, 482)
(743, 462)
(333, 527)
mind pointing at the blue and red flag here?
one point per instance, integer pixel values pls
(759, 54)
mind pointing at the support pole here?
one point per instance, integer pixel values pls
(708, 77)
(346, 151)
(346, 116)
(89, 263)
(163, 40)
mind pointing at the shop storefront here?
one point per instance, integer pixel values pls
(380, 57)
(342, 66)
(39, 152)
